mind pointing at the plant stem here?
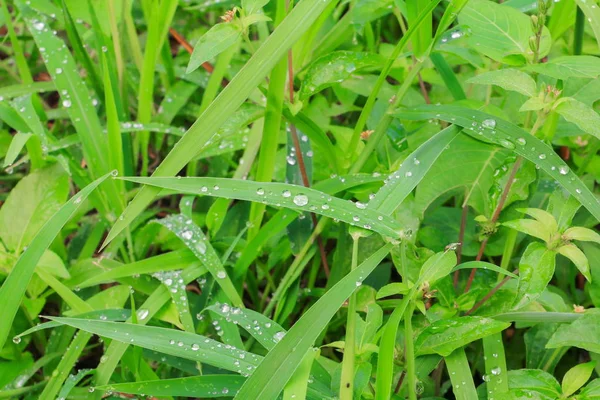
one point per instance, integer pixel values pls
(385, 121)
(579, 30)
(299, 155)
(409, 352)
(490, 293)
(347, 379)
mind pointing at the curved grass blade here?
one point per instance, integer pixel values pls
(14, 286)
(170, 341)
(193, 237)
(104, 315)
(489, 128)
(266, 332)
(484, 265)
(411, 172)
(461, 375)
(269, 379)
(237, 91)
(280, 195)
(21, 89)
(205, 386)
(538, 317)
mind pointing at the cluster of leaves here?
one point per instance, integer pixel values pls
(365, 199)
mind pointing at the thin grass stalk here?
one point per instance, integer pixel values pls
(347, 378)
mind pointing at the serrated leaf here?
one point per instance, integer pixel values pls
(509, 79)
(444, 336)
(218, 39)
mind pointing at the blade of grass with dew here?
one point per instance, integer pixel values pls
(170, 341)
(17, 143)
(514, 138)
(205, 386)
(294, 197)
(486, 266)
(269, 379)
(461, 376)
(64, 72)
(115, 142)
(400, 183)
(15, 284)
(80, 52)
(174, 260)
(193, 237)
(495, 365)
(177, 290)
(236, 92)
(266, 331)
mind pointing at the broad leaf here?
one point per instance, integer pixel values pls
(509, 79)
(536, 268)
(218, 39)
(444, 336)
(581, 115)
(335, 67)
(583, 333)
(576, 377)
(569, 67)
(501, 32)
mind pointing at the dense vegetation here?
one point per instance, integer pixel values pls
(362, 199)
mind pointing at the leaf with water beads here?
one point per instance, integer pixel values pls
(193, 237)
(103, 315)
(281, 362)
(205, 386)
(266, 332)
(489, 128)
(281, 195)
(170, 341)
(176, 286)
(399, 184)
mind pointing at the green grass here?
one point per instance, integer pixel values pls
(161, 236)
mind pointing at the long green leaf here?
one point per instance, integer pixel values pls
(487, 127)
(280, 363)
(237, 91)
(14, 286)
(281, 195)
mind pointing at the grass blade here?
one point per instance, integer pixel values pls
(460, 375)
(15, 284)
(206, 386)
(294, 197)
(237, 91)
(275, 370)
(482, 126)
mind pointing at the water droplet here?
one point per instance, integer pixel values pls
(360, 205)
(221, 275)
(286, 193)
(39, 25)
(278, 336)
(58, 71)
(187, 235)
(489, 123)
(300, 200)
(522, 141)
(66, 103)
(16, 340)
(195, 347)
(260, 191)
(563, 170)
(496, 371)
(542, 156)
(142, 313)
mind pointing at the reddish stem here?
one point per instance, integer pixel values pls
(495, 216)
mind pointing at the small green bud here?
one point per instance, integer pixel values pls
(534, 23)
(532, 43)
